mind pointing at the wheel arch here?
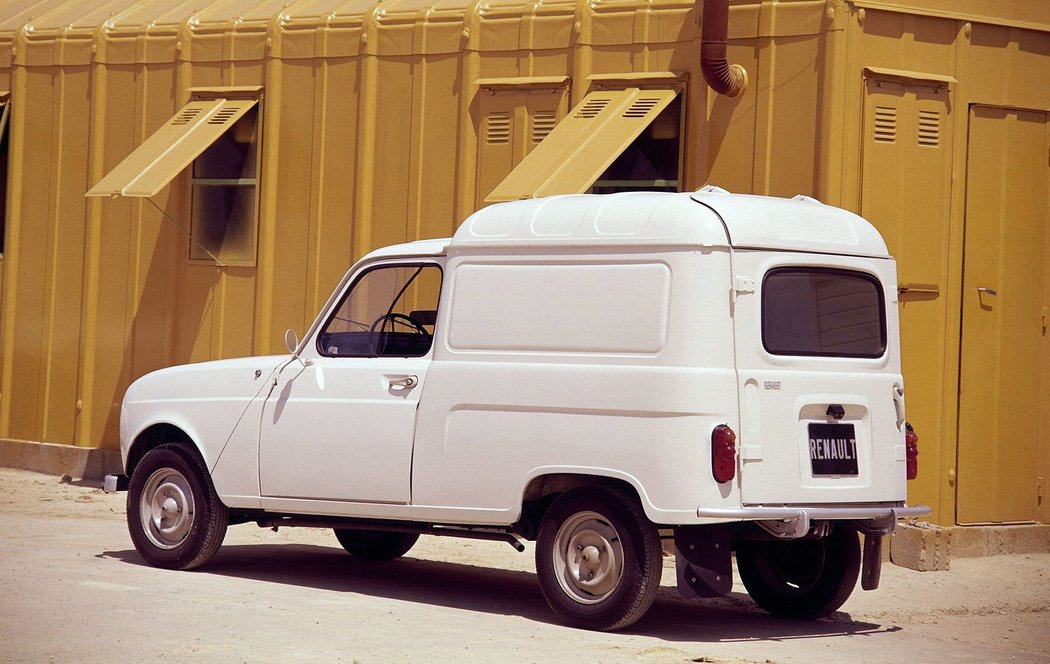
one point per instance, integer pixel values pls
(542, 489)
(152, 437)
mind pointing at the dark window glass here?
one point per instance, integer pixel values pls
(388, 312)
(820, 311)
(651, 162)
(5, 143)
(224, 195)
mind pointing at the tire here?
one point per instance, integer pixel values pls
(804, 579)
(175, 518)
(375, 544)
(598, 559)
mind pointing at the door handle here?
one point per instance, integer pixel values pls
(990, 291)
(404, 383)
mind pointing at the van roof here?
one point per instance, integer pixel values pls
(709, 217)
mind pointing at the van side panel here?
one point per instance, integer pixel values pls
(578, 364)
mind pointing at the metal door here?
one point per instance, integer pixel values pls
(1004, 374)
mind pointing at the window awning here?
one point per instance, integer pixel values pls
(584, 144)
(172, 148)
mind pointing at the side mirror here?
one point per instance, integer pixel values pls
(291, 341)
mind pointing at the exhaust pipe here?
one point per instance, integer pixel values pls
(724, 78)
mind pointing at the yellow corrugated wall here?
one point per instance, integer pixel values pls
(373, 133)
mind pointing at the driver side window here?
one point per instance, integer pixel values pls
(388, 312)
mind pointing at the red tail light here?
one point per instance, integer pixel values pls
(911, 450)
(723, 453)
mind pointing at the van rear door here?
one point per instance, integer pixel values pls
(819, 378)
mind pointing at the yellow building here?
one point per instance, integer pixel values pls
(241, 154)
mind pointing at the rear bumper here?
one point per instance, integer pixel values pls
(796, 521)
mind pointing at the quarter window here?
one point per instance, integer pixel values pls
(389, 312)
(823, 312)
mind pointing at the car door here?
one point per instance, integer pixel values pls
(339, 423)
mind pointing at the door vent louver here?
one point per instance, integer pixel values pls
(543, 123)
(497, 130)
(885, 124)
(929, 128)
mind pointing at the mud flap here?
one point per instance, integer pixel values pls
(703, 560)
(871, 568)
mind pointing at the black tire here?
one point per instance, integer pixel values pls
(598, 559)
(175, 518)
(804, 578)
(375, 544)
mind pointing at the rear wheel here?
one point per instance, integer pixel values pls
(598, 559)
(802, 578)
(375, 544)
(175, 518)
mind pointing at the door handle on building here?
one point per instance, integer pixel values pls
(990, 291)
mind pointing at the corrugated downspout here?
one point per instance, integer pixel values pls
(724, 78)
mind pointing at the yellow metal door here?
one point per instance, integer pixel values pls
(1003, 364)
(906, 192)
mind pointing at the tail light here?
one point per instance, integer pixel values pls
(723, 453)
(911, 450)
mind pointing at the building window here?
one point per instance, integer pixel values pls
(215, 134)
(650, 163)
(224, 197)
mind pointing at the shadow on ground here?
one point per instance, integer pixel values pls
(467, 587)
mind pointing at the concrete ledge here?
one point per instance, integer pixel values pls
(926, 547)
(80, 463)
(977, 541)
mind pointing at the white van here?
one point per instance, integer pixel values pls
(592, 373)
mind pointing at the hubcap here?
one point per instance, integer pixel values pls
(166, 508)
(588, 557)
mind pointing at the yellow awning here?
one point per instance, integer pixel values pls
(584, 144)
(172, 148)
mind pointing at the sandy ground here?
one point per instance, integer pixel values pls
(73, 589)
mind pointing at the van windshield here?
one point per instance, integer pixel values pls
(823, 312)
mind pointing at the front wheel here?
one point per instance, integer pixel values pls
(175, 518)
(598, 559)
(802, 578)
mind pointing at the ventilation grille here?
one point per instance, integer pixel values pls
(542, 125)
(885, 124)
(593, 107)
(223, 116)
(497, 128)
(929, 128)
(186, 116)
(641, 107)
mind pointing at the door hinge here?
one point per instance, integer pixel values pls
(1044, 319)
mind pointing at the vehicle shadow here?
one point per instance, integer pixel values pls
(506, 592)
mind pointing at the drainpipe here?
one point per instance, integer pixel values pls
(724, 78)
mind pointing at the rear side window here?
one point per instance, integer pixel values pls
(824, 312)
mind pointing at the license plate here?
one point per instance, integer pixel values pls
(832, 449)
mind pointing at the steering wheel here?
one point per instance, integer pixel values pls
(395, 318)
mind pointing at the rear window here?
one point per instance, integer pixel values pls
(821, 311)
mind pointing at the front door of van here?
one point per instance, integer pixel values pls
(339, 425)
